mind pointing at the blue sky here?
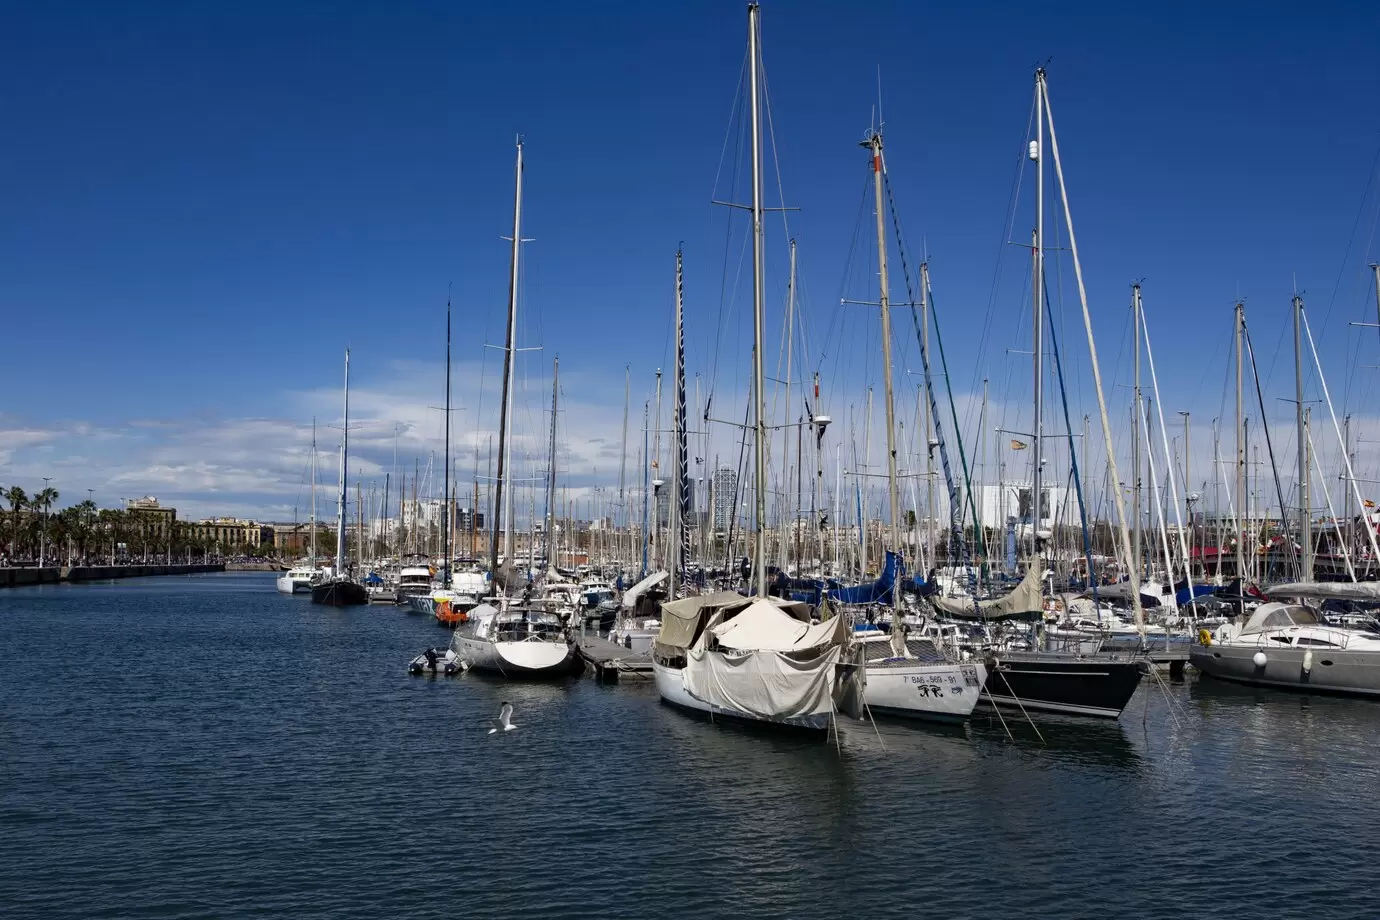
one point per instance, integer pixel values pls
(206, 202)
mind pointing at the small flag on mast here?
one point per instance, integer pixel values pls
(1018, 445)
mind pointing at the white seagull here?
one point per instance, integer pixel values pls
(504, 722)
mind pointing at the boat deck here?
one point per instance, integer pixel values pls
(612, 662)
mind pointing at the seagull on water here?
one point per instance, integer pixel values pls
(504, 722)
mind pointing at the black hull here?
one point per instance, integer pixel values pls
(1072, 686)
(339, 594)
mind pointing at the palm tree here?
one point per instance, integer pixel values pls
(18, 500)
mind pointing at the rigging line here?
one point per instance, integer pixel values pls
(957, 508)
(1269, 447)
(1346, 253)
(725, 292)
(979, 364)
(848, 263)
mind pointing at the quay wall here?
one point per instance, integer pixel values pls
(49, 575)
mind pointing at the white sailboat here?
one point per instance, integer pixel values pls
(502, 635)
(751, 659)
(300, 578)
(904, 676)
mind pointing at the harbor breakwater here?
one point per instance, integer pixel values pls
(51, 575)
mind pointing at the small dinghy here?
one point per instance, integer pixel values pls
(436, 661)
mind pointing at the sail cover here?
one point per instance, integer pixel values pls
(631, 595)
(1360, 591)
(1023, 601)
(764, 626)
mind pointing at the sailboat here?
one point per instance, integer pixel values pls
(338, 589)
(440, 598)
(906, 676)
(1096, 685)
(757, 660)
(503, 635)
(300, 578)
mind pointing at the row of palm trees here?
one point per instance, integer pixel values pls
(83, 534)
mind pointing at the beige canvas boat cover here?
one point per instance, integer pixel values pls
(680, 619)
(764, 626)
(762, 684)
(1025, 598)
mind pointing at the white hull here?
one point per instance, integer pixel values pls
(518, 659)
(671, 685)
(288, 584)
(923, 690)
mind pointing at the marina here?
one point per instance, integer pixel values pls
(779, 468)
(326, 748)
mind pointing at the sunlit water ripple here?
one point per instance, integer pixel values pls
(203, 746)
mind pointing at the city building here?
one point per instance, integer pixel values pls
(291, 540)
(663, 504)
(155, 517)
(230, 533)
(724, 495)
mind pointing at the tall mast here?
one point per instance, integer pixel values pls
(680, 493)
(313, 492)
(1042, 92)
(505, 447)
(657, 481)
(551, 479)
(447, 502)
(646, 491)
(623, 453)
(1038, 293)
(759, 561)
(786, 414)
(875, 144)
(928, 431)
(1305, 521)
(1241, 451)
(1136, 554)
(344, 454)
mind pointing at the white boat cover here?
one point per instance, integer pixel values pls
(631, 595)
(1360, 591)
(762, 684)
(1024, 598)
(763, 626)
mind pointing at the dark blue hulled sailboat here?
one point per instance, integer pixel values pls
(339, 590)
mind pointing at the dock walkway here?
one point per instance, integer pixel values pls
(612, 662)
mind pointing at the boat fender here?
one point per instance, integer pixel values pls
(1308, 661)
(1259, 659)
(1205, 637)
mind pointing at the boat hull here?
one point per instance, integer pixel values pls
(933, 692)
(339, 594)
(289, 585)
(670, 685)
(1098, 687)
(1332, 670)
(527, 660)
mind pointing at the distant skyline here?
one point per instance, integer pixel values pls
(207, 203)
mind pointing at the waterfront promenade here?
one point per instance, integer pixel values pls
(51, 575)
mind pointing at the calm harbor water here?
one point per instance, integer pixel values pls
(205, 747)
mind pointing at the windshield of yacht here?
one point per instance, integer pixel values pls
(1289, 616)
